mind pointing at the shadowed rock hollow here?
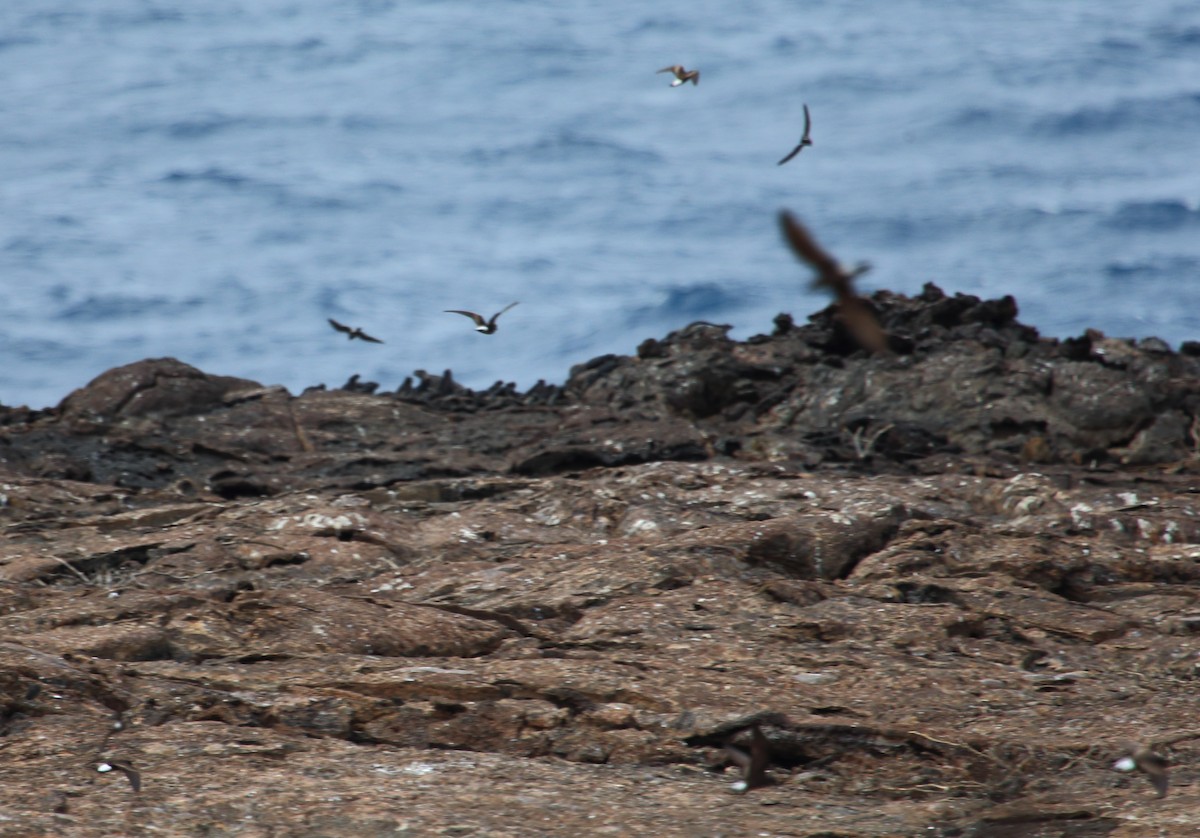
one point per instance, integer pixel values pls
(951, 586)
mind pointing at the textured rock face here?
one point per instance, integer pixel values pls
(155, 388)
(950, 587)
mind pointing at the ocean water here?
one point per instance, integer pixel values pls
(211, 181)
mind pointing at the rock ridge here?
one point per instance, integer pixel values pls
(939, 592)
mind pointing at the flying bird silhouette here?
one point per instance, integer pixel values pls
(1153, 765)
(132, 774)
(681, 75)
(855, 312)
(805, 138)
(482, 326)
(356, 332)
(753, 764)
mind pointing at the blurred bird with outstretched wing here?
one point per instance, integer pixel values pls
(482, 326)
(855, 312)
(753, 764)
(353, 333)
(805, 138)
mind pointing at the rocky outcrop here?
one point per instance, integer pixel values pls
(950, 587)
(158, 388)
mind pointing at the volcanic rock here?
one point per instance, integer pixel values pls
(949, 586)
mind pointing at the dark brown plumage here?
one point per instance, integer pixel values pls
(482, 326)
(1150, 763)
(805, 138)
(855, 312)
(353, 333)
(681, 75)
(753, 764)
(132, 774)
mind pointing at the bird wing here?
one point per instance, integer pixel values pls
(855, 312)
(501, 311)
(368, 338)
(863, 325)
(126, 768)
(1156, 768)
(479, 321)
(740, 757)
(673, 68)
(805, 139)
(754, 763)
(1160, 783)
(829, 272)
(694, 76)
(131, 774)
(760, 755)
(339, 326)
(791, 154)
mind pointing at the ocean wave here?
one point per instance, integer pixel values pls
(683, 304)
(203, 125)
(368, 122)
(278, 194)
(1161, 268)
(148, 15)
(107, 307)
(675, 25)
(30, 351)
(18, 41)
(568, 145)
(1180, 110)
(434, 150)
(977, 116)
(1164, 214)
(213, 175)
(1187, 37)
(862, 82)
(31, 247)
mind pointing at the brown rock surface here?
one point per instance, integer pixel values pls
(951, 586)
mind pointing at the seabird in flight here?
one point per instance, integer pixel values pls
(753, 764)
(356, 332)
(681, 75)
(1152, 764)
(855, 312)
(804, 140)
(482, 326)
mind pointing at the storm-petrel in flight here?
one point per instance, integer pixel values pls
(753, 764)
(805, 139)
(126, 768)
(482, 326)
(681, 75)
(1153, 765)
(356, 332)
(855, 312)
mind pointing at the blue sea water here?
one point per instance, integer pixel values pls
(211, 181)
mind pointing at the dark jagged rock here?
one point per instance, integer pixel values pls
(159, 388)
(929, 578)
(353, 385)
(976, 383)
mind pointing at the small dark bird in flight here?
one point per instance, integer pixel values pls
(482, 326)
(753, 764)
(1153, 765)
(132, 774)
(853, 310)
(805, 139)
(353, 333)
(681, 75)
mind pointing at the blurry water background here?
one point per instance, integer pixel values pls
(212, 180)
